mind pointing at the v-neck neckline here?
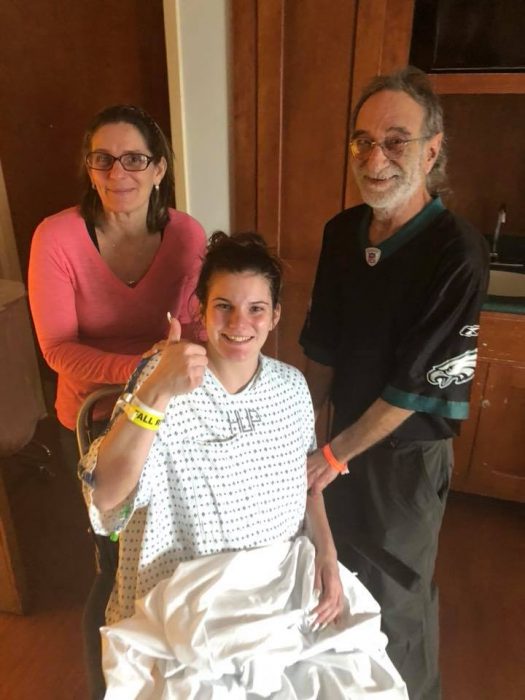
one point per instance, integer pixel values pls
(95, 252)
(403, 235)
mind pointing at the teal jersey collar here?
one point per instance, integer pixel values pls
(408, 231)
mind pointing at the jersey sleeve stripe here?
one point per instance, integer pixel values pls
(455, 410)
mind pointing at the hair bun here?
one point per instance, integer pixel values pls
(240, 252)
(244, 239)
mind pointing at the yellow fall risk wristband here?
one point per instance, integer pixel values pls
(340, 467)
(141, 417)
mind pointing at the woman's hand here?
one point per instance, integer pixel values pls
(125, 448)
(328, 582)
(181, 367)
(326, 579)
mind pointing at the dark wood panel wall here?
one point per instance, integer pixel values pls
(382, 41)
(60, 63)
(486, 159)
(297, 69)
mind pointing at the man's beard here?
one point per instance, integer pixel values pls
(399, 190)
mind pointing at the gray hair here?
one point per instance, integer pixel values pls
(415, 84)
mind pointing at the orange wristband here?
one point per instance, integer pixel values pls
(340, 467)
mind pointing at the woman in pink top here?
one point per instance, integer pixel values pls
(102, 276)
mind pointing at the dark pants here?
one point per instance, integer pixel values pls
(386, 516)
(106, 553)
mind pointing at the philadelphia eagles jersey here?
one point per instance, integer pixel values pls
(399, 320)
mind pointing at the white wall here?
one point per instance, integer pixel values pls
(197, 49)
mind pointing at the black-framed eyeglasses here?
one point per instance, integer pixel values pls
(133, 162)
(393, 147)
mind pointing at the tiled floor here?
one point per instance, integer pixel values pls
(481, 573)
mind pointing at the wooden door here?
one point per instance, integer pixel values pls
(60, 63)
(297, 69)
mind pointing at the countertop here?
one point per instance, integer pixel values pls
(506, 305)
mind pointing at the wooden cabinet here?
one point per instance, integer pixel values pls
(478, 83)
(490, 453)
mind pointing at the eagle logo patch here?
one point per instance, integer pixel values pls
(456, 370)
(469, 331)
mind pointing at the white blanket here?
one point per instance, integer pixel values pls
(236, 626)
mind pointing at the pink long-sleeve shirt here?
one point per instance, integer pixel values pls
(92, 327)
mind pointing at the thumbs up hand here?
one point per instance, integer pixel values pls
(161, 344)
(175, 329)
(181, 367)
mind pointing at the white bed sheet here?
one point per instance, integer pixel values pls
(235, 626)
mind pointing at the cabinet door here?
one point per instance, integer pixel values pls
(464, 444)
(498, 458)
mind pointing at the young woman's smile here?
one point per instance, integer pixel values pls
(239, 315)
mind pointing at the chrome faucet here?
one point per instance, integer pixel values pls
(502, 217)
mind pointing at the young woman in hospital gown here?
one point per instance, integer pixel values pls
(228, 583)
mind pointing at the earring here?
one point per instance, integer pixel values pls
(156, 188)
(93, 186)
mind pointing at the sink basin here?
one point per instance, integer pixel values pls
(504, 283)
(508, 266)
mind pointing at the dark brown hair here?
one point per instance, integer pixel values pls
(239, 252)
